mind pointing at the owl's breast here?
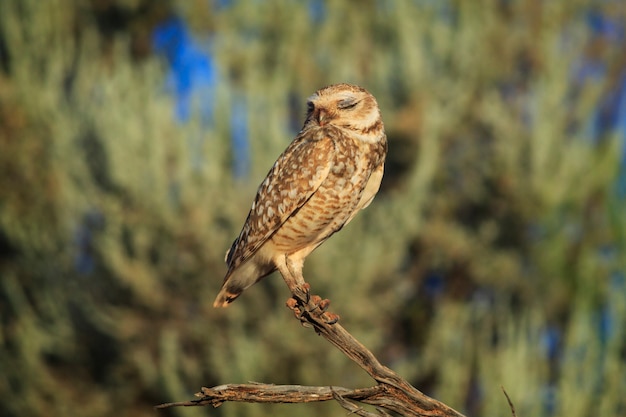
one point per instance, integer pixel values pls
(329, 207)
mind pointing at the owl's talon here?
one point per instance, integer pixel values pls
(306, 288)
(330, 318)
(315, 300)
(319, 303)
(323, 304)
(302, 293)
(316, 307)
(299, 311)
(292, 303)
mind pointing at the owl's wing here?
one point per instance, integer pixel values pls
(295, 176)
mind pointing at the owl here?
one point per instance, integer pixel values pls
(331, 170)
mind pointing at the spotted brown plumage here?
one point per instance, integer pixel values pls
(331, 170)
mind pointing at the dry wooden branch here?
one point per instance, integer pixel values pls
(270, 393)
(392, 393)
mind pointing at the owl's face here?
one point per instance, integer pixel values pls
(347, 107)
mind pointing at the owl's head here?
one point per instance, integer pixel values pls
(347, 107)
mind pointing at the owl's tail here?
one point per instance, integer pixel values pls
(225, 297)
(238, 280)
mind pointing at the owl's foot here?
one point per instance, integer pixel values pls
(302, 293)
(314, 306)
(330, 318)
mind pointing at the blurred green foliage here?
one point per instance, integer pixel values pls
(492, 256)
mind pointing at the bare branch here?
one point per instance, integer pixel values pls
(270, 393)
(392, 393)
(352, 407)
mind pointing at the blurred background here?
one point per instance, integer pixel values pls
(133, 136)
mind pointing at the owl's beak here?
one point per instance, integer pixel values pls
(321, 117)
